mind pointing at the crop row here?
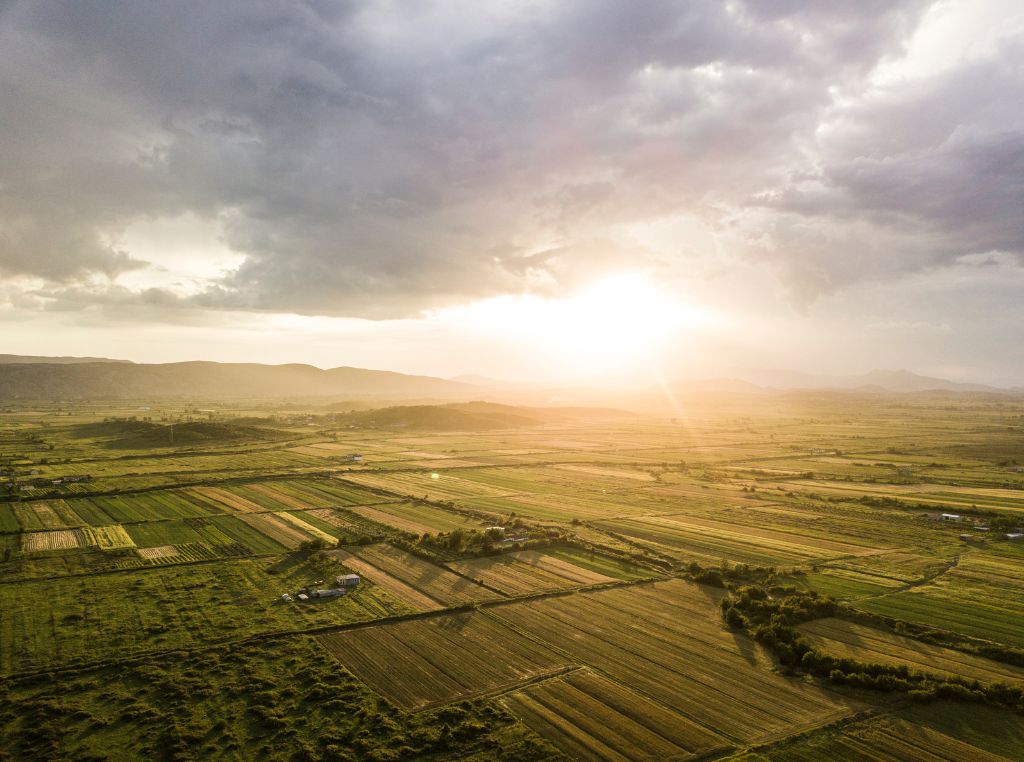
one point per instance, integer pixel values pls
(678, 657)
(528, 572)
(424, 662)
(438, 584)
(849, 640)
(591, 717)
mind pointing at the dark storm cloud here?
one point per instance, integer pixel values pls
(378, 158)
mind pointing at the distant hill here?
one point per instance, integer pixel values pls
(23, 359)
(478, 380)
(470, 416)
(144, 435)
(718, 385)
(206, 380)
(873, 381)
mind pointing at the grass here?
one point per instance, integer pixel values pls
(981, 596)
(190, 550)
(263, 700)
(105, 616)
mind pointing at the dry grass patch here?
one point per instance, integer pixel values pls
(278, 530)
(305, 526)
(162, 551)
(108, 537)
(61, 539)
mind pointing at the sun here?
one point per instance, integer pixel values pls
(620, 317)
(614, 321)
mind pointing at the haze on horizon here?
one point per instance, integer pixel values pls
(533, 191)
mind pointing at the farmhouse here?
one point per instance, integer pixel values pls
(949, 516)
(346, 580)
(1014, 535)
(355, 457)
(967, 537)
(329, 592)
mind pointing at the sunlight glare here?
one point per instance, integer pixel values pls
(619, 319)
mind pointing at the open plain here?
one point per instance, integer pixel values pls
(557, 591)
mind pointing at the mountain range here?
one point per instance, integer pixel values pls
(29, 359)
(76, 378)
(875, 380)
(209, 380)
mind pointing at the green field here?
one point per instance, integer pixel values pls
(141, 609)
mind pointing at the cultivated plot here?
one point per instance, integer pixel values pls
(419, 583)
(693, 536)
(590, 717)
(666, 640)
(425, 662)
(982, 596)
(415, 518)
(528, 572)
(882, 738)
(845, 639)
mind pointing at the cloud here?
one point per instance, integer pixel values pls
(374, 160)
(911, 176)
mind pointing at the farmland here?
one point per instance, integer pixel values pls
(879, 739)
(663, 641)
(89, 619)
(589, 626)
(437, 661)
(591, 717)
(867, 644)
(980, 596)
(418, 582)
(529, 572)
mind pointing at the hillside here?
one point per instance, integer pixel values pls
(143, 435)
(470, 416)
(28, 359)
(105, 380)
(875, 380)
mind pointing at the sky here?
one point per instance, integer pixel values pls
(538, 190)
